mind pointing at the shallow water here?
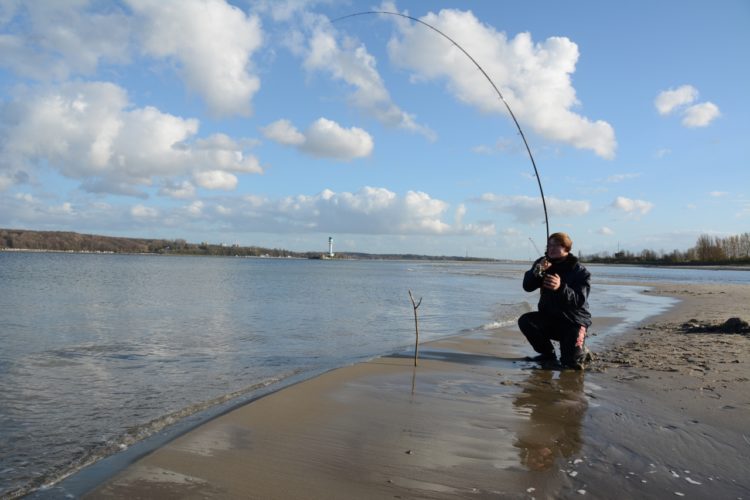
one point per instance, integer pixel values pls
(100, 351)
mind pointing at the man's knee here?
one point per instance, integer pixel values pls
(522, 321)
(526, 322)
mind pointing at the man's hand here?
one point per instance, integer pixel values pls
(551, 281)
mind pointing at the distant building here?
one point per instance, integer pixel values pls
(330, 247)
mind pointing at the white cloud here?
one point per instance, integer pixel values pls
(718, 194)
(284, 10)
(221, 151)
(180, 190)
(195, 209)
(91, 133)
(323, 138)
(144, 212)
(700, 115)
(631, 206)
(216, 179)
(535, 78)
(64, 209)
(370, 210)
(328, 139)
(697, 115)
(668, 100)
(605, 231)
(55, 40)
(212, 43)
(283, 132)
(353, 65)
(529, 210)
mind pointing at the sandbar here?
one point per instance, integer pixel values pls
(661, 412)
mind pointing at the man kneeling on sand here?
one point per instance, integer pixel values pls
(563, 314)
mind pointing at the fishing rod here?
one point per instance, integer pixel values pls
(535, 247)
(507, 106)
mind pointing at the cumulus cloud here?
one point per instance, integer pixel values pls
(144, 212)
(91, 133)
(64, 209)
(219, 151)
(216, 179)
(535, 78)
(54, 40)
(681, 100)
(371, 210)
(211, 41)
(605, 231)
(285, 10)
(195, 209)
(328, 139)
(323, 138)
(631, 206)
(353, 65)
(529, 210)
(669, 100)
(700, 115)
(179, 190)
(283, 132)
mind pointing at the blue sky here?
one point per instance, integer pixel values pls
(264, 123)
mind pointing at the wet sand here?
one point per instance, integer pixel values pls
(660, 413)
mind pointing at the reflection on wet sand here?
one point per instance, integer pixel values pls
(555, 404)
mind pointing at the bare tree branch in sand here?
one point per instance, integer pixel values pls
(415, 305)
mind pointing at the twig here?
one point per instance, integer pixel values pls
(415, 305)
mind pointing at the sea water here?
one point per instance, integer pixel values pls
(100, 351)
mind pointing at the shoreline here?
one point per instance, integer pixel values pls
(474, 420)
(400, 258)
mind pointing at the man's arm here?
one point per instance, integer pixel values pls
(531, 281)
(575, 293)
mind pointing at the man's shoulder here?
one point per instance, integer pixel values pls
(581, 269)
(577, 267)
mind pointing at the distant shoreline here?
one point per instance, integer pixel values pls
(340, 256)
(22, 240)
(71, 242)
(377, 257)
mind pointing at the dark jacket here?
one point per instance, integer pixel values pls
(568, 302)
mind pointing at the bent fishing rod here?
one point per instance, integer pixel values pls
(497, 91)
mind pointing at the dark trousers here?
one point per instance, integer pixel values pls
(540, 329)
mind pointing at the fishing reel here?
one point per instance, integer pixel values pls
(539, 271)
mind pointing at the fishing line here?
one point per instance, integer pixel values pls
(507, 106)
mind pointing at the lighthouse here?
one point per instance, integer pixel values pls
(330, 247)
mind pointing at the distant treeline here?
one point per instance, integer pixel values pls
(708, 250)
(60, 241)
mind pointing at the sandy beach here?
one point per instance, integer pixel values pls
(661, 412)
